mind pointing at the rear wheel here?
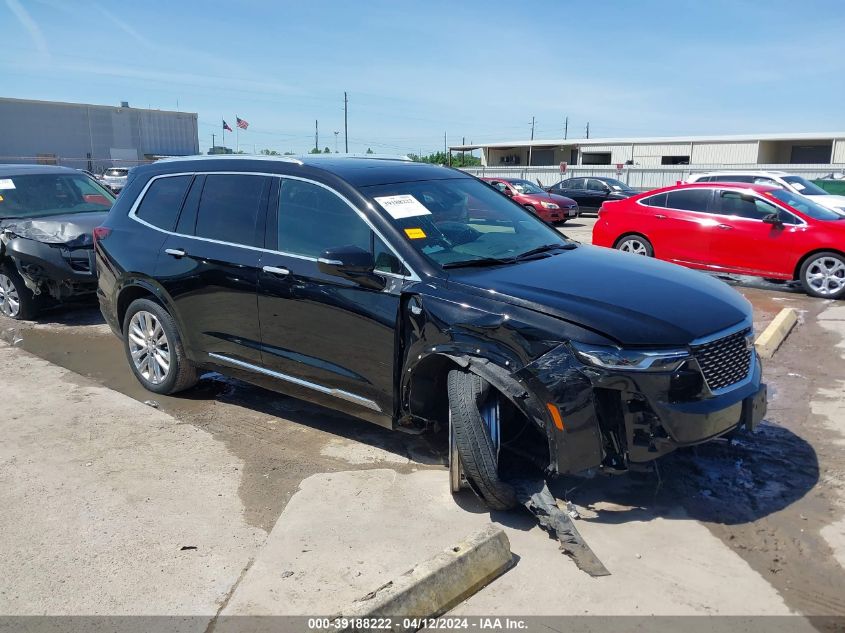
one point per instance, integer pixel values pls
(154, 349)
(636, 245)
(823, 275)
(475, 429)
(16, 300)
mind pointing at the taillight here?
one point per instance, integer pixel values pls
(101, 233)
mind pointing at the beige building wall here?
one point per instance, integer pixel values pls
(839, 150)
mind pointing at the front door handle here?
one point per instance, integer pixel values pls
(725, 227)
(659, 216)
(273, 270)
(176, 252)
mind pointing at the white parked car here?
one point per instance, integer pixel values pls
(115, 178)
(790, 182)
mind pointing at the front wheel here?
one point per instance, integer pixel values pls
(475, 421)
(636, 245)
(16, 300)
(823, 275)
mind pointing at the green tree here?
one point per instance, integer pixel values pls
(269, 152)
(327, 151)
(315, 150)
(370, 151)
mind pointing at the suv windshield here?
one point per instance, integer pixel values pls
(463, 221)
(805, 205)
(523, 186)
(804, 186)
(42, 195)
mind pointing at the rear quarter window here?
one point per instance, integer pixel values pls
(162, 202)
(655, 201)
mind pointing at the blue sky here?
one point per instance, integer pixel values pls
(474, 69)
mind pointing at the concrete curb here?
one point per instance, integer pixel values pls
(776, 332)
(431, 588)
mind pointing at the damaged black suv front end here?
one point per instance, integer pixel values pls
(619, 407)
(47, 221)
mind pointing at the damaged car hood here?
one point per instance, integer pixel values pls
(631, 299)
(74, 229)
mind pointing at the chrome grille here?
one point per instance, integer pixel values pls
(724, 361)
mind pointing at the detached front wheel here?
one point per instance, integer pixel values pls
(475, 438)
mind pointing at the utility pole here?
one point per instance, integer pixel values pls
(463, 151)
(447, 156)
(212, 139)
(316, 137)
(531, 147)
(588, 129)
(345, 129)
(335, 140)
(566, 127)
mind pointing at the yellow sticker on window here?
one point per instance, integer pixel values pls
(415, 234)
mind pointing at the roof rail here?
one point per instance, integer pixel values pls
(284, 159)
(399, 157)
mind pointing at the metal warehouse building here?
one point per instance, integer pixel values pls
(745, 150)
(92, 137)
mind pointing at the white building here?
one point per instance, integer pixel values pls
(745, 150)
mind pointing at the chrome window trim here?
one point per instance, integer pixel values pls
(337, 393)
(412, 276)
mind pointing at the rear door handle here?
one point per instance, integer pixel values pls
(724, 227)
(273, 270)
(659, 216)
(176, 252)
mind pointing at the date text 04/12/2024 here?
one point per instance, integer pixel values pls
(414, 624)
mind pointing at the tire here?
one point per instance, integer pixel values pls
(636, 245)
(16, 300)
(154, 349)
(477, 451)
(823, 275)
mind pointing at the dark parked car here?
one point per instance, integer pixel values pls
(590, 193)
(47, 218)
(359, 284)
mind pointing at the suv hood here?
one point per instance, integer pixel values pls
(633, 300)
(73, 229)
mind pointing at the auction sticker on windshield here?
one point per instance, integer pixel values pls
(404, 206)
(6, 183)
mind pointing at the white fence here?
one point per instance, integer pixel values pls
(644, 178)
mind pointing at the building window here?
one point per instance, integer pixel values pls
(674, 160)
(595, 158)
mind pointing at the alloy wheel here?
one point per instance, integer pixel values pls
(149, 347)
(633, 245)
(826, 275)
(10, 302)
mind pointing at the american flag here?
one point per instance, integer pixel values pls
(241, 123)
(226, 125)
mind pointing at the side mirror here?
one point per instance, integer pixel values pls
(507, 192)
(353, 263)
(774, 219)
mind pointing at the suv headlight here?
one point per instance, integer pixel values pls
(630, 359)
(549, 205)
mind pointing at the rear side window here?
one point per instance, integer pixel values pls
(655, 201)
(163, 200)
(229, 208)
(690, 199)
(312, 219)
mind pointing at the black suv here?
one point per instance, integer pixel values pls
(414, 296)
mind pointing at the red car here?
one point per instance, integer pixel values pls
(734, 228)
(550, 207)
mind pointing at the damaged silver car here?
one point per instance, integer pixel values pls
(47, 220)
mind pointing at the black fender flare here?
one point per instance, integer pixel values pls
(153, 288)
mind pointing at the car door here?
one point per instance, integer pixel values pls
(679, 222)
(594, 195)
(574, 188)
(209, 266)
(335, 338)
(743, 242)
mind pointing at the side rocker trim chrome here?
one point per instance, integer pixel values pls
(337, 393)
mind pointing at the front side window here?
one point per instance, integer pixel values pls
(43, 195)
(163, 200)
(460, 221)
(745, 206)
(596, 185)
(229, 208)
(313, 219)
(690, 199)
